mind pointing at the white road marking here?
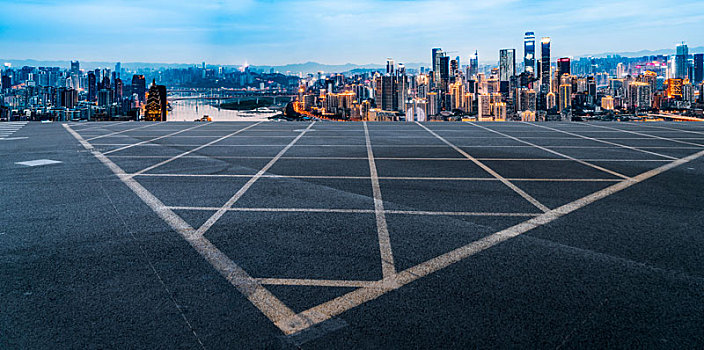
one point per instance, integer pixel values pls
(195, 149)
(266, 302)
(313, 282)
(102, 127)
(38, 162)
(388, 267)
(326, 311)
(403, 178)
(218, 214)
(602, 141)
(355, 211)
(553, 152)
(649, 136)
(399, 159)
(153, 139)
(508, 183)
(13, 138)
(123, 131)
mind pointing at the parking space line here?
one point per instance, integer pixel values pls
(650, 136)
(221, 211)
(508, 183)
(152, 167)
(553, 152)
(330, 309)
(603, 141)
(105, 127)
(388, 267)
(313, 282)
(396, 159)
(403, 178)
(266, 302)
(153, 139)
(123, 131)
(356, 211)
(672, 129)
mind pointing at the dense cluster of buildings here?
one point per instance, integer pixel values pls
(32, 93)
(535, 88)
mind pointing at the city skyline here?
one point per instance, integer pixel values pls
(285, 32)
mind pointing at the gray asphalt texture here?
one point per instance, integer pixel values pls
(84, 263)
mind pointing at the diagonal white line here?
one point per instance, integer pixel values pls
(326, 311)
(266, 302)
(313, 282)
(553, 152)
(602, 141)
(218, 214)
(672, 129)
(121, 132)
(388, 267)
(153, 139)
(149, 168)
(506, 182)
(649, 136)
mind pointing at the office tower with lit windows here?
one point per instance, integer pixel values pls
(155, 109)
(529, 53)
(682, 62)
(545, 65)
(507, 68)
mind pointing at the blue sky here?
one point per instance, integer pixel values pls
(270, 32)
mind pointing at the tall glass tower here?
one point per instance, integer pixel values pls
(545, 65)
(529, 52)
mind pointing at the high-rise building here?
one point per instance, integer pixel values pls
(682, 62)
(565, 102)
(118, 69)
(75, 67)
(390, 66)
(563, 66)
(529, 53)
(545, 65)
(444, 71)
(92, 86)
(139, 87)
(473, 65)
(641, 97)
(155, 109)
(698, 68)
(437, 54)
(507, 64)
(386, 94)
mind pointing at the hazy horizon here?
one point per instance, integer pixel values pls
(275, 33)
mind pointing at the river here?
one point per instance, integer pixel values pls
(190, 110)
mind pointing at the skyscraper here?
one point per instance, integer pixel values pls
(545, 65)
(698, 68)
(139, 86)
(75, 66)
(529, 52)
(682, 61)
(155, 109)
(437, 53)
(507, 64)
(473, 65)
(390, 66)
(563, 66)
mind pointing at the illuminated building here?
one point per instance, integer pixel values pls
(527, 100)
(565, 97)
(620, 70)
(529, 53)
(484, 107)
(564, 66)
(415, 111)
(550, 100)
(674, 88)
(687, 92)
(641, 96)
(607, 103)
(498, 111)
(155, 108)
(433, 105)
(437, 54)
(457, 93)
(545, 65)
(386, 94)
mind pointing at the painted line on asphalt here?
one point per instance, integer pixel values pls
(402, 178)
(218, 214)
(330, 309)
(356, 211)
(123, 131)
(313, 282)
(651, 136)
(602, 141)
(388, 267)
(152, 167)
(266, 302)
(506, 182)
(553, 152)
(153, 139)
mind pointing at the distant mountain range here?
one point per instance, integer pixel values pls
(305, 68)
